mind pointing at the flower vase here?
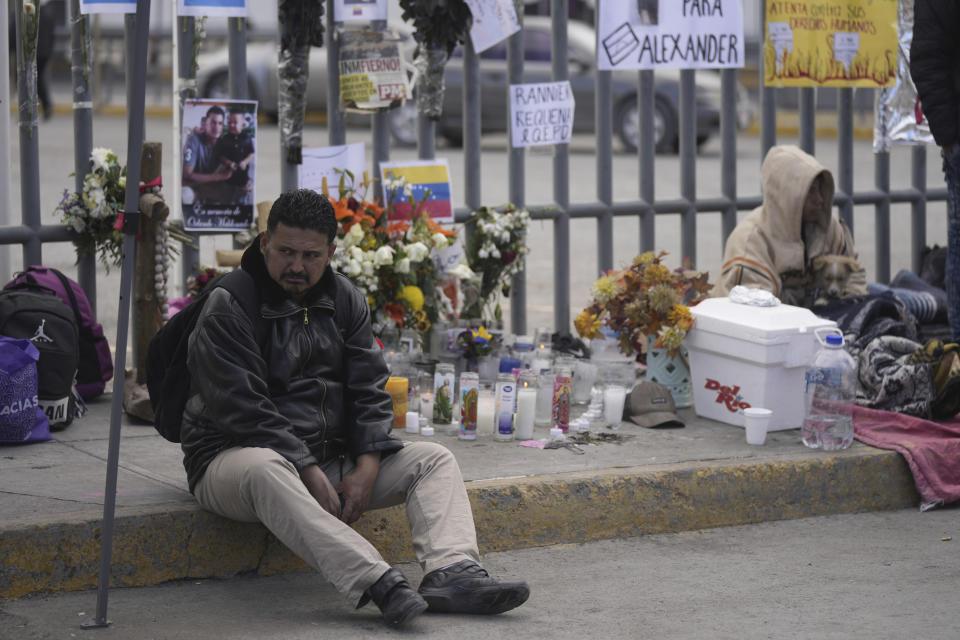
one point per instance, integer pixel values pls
(673, 372)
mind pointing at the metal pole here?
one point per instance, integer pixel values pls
(237, 44)
(516, 174)
(135, 133)
(80, 67)
(602, 120)
(845, 154)
(646, 157)
(189, 257)
(29, 149)
(881, 225)
(918, 209)
(5, 185)
(768, 100)
(728, 151)
(471, 126)
(688, 169)
(381, 141)
(561, 181)
(336, 131)
(808, 120)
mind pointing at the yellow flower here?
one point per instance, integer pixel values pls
(588, 325)
(604, 289)
(656, 274)
(671, 338)
(662, 298)
(643, 259)
(413, 296)
(482, 333)
(679, 314)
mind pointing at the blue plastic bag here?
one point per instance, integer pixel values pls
(21, 417)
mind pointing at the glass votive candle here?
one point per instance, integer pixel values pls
(614, 397)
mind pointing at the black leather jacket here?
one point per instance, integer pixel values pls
(935, 66)
(308, 391)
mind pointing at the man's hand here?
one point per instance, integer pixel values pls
(320, 487)
(357, 487)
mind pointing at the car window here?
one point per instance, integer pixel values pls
(536, 45)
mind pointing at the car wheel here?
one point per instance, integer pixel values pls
(403, 123)
(664, 125)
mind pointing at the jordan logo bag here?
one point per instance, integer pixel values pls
(96, 361)
(37, 314)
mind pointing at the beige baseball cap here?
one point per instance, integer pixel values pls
(651, 405)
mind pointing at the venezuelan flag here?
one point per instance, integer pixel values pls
(429, 181)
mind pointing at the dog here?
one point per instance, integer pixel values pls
(829, 276)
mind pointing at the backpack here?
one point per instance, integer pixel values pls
(168, 378)
(37, 314)
(96, 361)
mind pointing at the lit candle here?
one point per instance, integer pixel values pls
(426, 405)
(397, 388)
(526, 410)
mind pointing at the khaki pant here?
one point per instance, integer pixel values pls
(258, 485)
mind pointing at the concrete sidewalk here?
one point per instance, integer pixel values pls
(700, 476)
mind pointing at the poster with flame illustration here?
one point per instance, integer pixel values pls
(830, 43)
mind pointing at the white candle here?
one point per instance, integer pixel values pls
(526, 410)
(426, 406)
(485, 410)
(413, 422)
(539, 364)
(613, 399)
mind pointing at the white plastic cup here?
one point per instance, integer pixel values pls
(614, 397)
(755, 422)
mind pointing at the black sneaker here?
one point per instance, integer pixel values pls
(465, 587)
(397, 600)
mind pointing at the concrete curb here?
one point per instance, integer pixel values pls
(156, 544)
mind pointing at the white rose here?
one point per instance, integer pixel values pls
(100, 158)
(354, 268)
(461, 271)
(355, 234)
(368, 269)
(417, 251)
(439, 240)
(356, 253)
(383, 256)
(402, 266)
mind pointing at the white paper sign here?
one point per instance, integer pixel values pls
(359, 10)
(224, 8)
(493, 21)
(680, 34)
(322, 162)
(541, 113)
(107, 6)
(448, 257)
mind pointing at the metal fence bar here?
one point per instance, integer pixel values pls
(918, 209)
(688, 166)
(729, 78)
(80, 52)
(561, 180)
(189, 256)
(471, 126)
(881, 224)
(604, 156)
(237, 71)
(516, 176)
(808, 121)
(646, 159)
(845, 152)
(336, 130)
(29, 149)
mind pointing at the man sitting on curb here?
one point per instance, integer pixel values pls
(289, 424)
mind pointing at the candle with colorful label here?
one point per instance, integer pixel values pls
(469, 404)
(562, 383)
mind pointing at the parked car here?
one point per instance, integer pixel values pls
(262, 61)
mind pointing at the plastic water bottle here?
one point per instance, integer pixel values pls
(830, 386)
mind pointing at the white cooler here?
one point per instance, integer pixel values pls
(745, 356)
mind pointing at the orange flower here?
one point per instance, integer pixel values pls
(395, 311)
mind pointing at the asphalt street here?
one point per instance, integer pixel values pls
(874, 575)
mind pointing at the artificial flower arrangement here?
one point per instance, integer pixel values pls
(93, 214)
(391, 261)
(496, 248)
(644, 302)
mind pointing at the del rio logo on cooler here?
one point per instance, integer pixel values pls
(728, 396)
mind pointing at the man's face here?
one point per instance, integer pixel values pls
(814, 204)
(213, 126)
(235, 125)
(296, 258)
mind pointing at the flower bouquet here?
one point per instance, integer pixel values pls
(646, 304)
(390, 261)
(496, 249)
(93, 214)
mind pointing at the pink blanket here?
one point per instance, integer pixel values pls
(932, 449)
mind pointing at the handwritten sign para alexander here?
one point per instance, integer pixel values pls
(541, 113)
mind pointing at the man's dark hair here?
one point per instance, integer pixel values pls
(215, 109)
(304, 209)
